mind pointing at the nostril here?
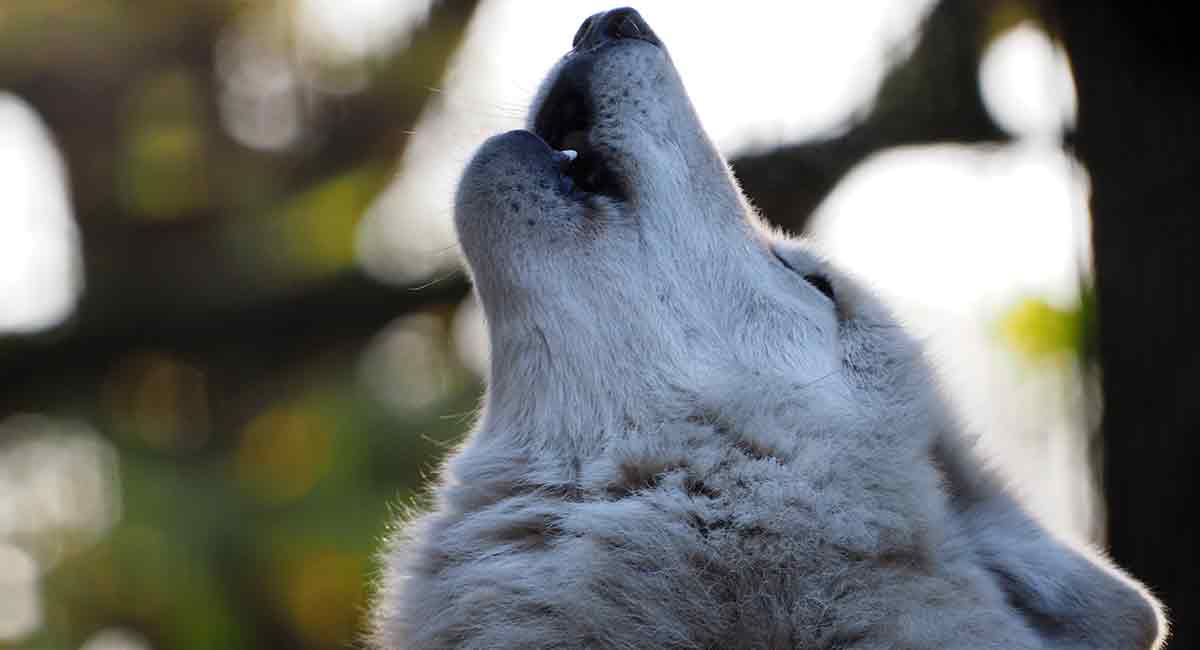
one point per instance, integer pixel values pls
(625, 26)
(618, 24)
(583, 30)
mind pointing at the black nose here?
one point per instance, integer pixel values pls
(612, 25)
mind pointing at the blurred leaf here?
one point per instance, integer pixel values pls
(1039, 331)
(163, 173)
(309, 236)
(283, 453)
(323, 219)
(324, 595)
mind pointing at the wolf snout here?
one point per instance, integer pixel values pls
(613, 25)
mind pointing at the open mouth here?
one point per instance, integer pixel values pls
(565, 121)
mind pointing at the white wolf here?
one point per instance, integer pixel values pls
(698, 434)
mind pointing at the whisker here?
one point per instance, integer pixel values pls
(441, 444)
(437, 280)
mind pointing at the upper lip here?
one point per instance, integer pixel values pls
(565, 120)
(566, 108)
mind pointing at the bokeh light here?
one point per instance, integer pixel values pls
(116, 639)
(1026, 84)
(59, 495)
(40, 269)
(282, 454)
(261, 95)
(314, 580)
(59, 489)
(992, 224)
(407, 365)
(159, 399)
(164, 175)
(340, 30)
(471, 337)
(20, 602)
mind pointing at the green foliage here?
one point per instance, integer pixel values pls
(163, 173)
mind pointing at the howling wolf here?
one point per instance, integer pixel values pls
(699, 434)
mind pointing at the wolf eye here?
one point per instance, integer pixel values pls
(817, 280)
(821, 283)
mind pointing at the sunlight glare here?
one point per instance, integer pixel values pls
(259, 90)
(115, 639)
(1026, 84)
(353, 29)
(407, 366)
(41, 274)
(470, 336)
(20, 602)
(990, 224)
(59, 487)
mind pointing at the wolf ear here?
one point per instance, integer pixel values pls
(1072, 597)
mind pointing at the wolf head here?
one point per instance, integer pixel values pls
(622, 273)
(629, 273)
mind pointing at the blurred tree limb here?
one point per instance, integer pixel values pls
(932, 96)
(351, 307)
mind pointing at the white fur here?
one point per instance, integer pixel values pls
(686, 445)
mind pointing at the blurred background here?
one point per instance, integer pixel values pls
(235, 336)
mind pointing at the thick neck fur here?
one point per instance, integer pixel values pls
(566, 383)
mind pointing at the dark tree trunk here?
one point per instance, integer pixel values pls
(1139, 136)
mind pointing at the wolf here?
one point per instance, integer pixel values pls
(698, 433)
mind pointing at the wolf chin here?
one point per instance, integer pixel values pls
(699, 434)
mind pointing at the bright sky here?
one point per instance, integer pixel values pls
(39, 245)
(988, 225)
